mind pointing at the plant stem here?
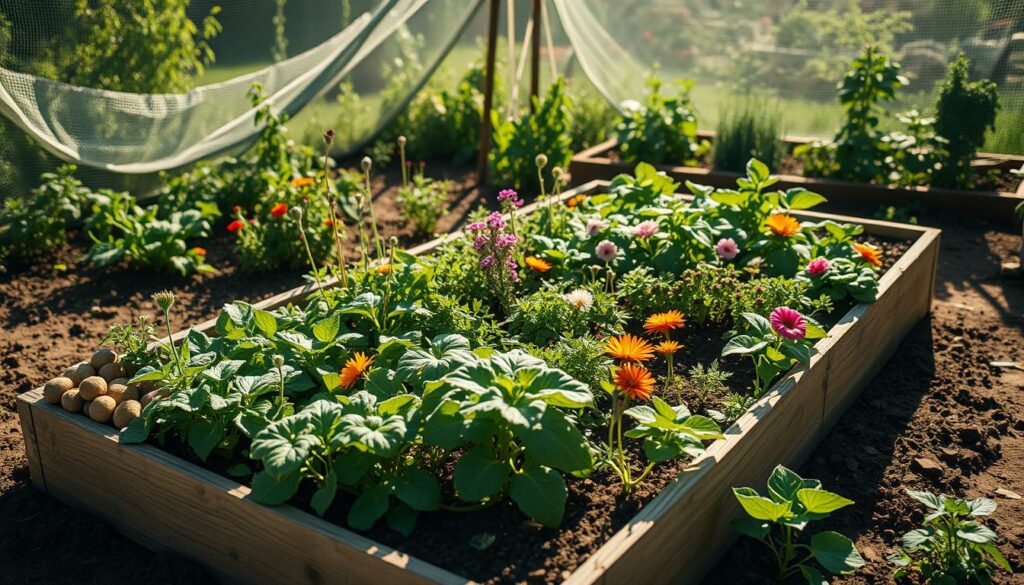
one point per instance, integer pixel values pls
(373, 218)
(312, 262)
(280, 385)
(170, 342)
(334, 218)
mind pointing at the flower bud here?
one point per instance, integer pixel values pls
(329, 137)
(163, 299)
(278, 360)
(367, 162)
(401, 141)
(541, 160)
(295, 213)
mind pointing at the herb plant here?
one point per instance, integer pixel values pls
(748, 129)
(779, 520)
(952, 546)
(423, 201)
(663, 129)
(546, 130)
(38, 223)
(966, 110)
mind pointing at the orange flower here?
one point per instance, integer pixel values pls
(199, 251)
(384, 268)
(634, 381)
(869, 253)
(664, 322)
(354, 369)
(538, 264)
(629, 348)
(782, 224)
(235, 225)
(328, 222)
(575, 201)
(279, 209)
(668, 347)
(302, 181)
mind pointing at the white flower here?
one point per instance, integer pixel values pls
(580, 298)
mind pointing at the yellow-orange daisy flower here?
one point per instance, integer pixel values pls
(664, 322)
(354, 369)
(199, 251)
(634, 381)
(869, 253)
(575, 200)
(668, 347)
(538, 264)
(302, 181)
(629, 348)
(782, 225)
(384, 268)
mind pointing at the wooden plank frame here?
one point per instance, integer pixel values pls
(595, 164)
(171, 505)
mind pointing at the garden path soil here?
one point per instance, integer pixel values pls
(938, 392)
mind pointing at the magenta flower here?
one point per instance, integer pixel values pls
(487, 262)
(817, 267)
(727, 249)
(477, 226)
(506, 240)
(788, 323)
(511, 263)
(479, 243)
(506, 194)
(496, 221)
(607, 251)
(595, 226)
(646, 229)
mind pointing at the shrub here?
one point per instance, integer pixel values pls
(545, 131)
(966, 110)
(748, 130)
(663, 129)
(593, 120)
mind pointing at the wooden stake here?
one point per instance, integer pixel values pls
(535, 54)
(485, 123)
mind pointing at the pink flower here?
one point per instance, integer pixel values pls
(479, 243)
(511, 263)
(727, 249)
(506, 194)
(646, 229)
(496, 221)
(477, 226)
(817, 267)
(595, 226)
(607, 251)
(487, 262)
(506, 240)
(788, 323)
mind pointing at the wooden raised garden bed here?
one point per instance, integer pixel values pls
(169, 504)
(595, 163)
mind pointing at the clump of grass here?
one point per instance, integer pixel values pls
(1008, 135)
(750, 127)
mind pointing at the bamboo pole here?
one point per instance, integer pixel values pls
(535, 54)
(485, 122)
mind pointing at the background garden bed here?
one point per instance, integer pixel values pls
(601, 162)
(813, 397)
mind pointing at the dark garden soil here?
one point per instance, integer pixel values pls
(938, 399)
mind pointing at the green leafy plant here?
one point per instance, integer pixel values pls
(121, 230)
(952, 546)
(506, 411)
(131, 341)
(748, 129)
(779, 519)
(422, 200)
(855, 153)
(965, 110)
(38, 222)
(546, 130)
(774, 345)
(663, 129)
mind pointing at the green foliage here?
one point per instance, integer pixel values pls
(593, 120)
(131, 341)
(506, 413)
(663, 129)
(583, 358)
(966, 109)
(446, 125)
(121, 230)
(952, 546)
(748, 129)
(138, 47)
(423, 201)
(38, 223)
(546, 130)
(546, 316)
(669, 431)
(855, 153)
(844, 278)
(772, 353)
(779, 519)
(706, 382)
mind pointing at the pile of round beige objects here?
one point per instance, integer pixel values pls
(100, 389)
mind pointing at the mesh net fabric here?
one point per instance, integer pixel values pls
(793, 50)
(111, 134)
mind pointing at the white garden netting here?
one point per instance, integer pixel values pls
(353, 65)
